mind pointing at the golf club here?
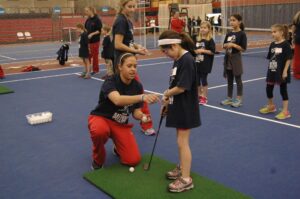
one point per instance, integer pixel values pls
(146, 166)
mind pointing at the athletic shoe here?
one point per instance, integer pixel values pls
(268, 109)
(115, 152)
(82, 74)
(236, 103)
(87, 76)
(283, 115)
(96, 166)
(149, 132)
(180, 185)
(93, 73)
(226, 102)
(174, 174)
(203, 100)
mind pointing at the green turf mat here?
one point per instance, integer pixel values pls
(4, 90)
(119, 183)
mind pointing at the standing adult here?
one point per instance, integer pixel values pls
(296, 63)
(93, 25)
(177, 24)
(123, 41)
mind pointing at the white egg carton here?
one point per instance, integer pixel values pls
(39, 118)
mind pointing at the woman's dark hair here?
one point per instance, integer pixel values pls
(122, 59)
(186, 41)
(239, 18)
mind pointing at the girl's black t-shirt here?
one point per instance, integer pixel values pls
(183, 109)
(84, 45)
(204, 61)
(278, 55)
(238, 38)
(106, 108)
(108, 51)
(122, 26)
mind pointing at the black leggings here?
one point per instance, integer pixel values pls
(202, 79)
(239, 83)
(283, 91)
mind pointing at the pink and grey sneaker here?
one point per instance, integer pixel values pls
(174, 174)
(180, 185)
(149, 132)
(203, 100)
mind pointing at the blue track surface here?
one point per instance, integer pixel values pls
(239, 148)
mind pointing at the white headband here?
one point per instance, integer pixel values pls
(162, 42)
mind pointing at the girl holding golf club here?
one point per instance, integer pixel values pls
(120, 96)
(180, 103)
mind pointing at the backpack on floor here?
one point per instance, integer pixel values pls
(62, 54)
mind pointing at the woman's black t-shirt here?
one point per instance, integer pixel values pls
(93, 24)
(106, 108)
(122, 26)
(204, 61)
(183, 109)
(278, 55)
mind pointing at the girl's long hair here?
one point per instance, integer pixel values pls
(186, 41)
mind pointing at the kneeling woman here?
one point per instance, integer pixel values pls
(120, 96)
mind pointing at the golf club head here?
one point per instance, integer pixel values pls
(146, 167)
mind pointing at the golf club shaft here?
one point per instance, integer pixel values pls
(160, 122)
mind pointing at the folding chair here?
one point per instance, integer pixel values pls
(20, 36)
(28, 35)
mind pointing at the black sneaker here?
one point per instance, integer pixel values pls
(93, 73)
(96, 166)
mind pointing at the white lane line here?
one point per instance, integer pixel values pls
(34, 78)
(11, 58)
(243, 114)
(54, 57)
(227, 110)
(224, 85)
(253, 116)
(70, 67)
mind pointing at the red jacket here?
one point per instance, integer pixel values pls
(177, 25)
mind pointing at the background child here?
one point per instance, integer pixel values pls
(84, 51)
(205, 56)
(108, 52)
(181, 102)
(296, 61)
(235, 42)
(120, 96)
(280, 55)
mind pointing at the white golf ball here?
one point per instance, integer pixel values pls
(131, 169)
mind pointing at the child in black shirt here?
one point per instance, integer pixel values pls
(280, 55)
(181, 102)
(84, 51)
(235, 42)
(205, 49)
(107, 52)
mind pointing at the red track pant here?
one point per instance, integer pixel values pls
(101, 129)
(296, 62)
(145, 110)
(94, 54)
